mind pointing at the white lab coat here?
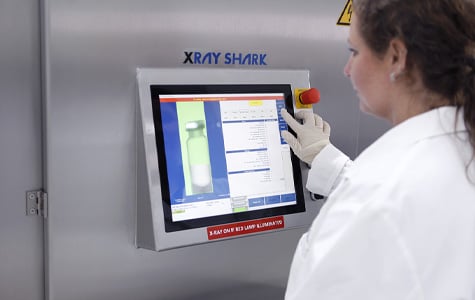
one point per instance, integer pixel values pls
(400, 223)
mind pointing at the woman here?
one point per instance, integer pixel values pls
(399, 221)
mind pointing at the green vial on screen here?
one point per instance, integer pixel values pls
(198, 157)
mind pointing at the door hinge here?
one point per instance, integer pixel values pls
(37, 203)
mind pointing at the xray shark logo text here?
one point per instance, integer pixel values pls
(228, 58)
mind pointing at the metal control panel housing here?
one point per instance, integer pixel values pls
(155, 228)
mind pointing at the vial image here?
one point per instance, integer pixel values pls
(198, 158)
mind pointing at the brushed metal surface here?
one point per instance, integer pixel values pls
(21, 237)
(92, 51)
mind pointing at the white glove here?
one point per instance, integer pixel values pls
(312, 136)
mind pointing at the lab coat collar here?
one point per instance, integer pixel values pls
(439, 121)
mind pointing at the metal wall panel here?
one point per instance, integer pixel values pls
(92, 51)
(21, 237)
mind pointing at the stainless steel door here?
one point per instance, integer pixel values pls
(21, 237)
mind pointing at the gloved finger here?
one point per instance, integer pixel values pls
(318, 121)
(294, 124)
(306, 116)
(326, 127)
(291, 140)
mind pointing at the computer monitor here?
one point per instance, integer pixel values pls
(220, 154)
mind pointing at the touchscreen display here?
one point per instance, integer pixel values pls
(221, 156)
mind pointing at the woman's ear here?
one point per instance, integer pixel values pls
(397, 55)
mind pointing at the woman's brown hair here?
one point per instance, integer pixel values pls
(440, 40)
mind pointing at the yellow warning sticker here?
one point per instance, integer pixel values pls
(345, 18)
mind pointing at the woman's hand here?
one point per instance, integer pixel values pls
(312, 136)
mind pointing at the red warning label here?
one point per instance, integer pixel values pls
(246, 227)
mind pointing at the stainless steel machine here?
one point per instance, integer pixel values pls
(68, 131)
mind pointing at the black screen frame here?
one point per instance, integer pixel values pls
(173, 89)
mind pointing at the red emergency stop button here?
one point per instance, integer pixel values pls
(310, 96)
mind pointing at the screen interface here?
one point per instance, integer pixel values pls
(221, 156)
